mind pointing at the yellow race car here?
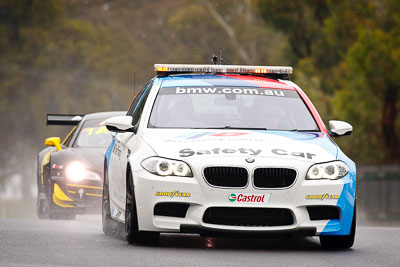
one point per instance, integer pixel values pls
(70, 173)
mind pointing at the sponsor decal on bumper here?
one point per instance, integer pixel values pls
(172, 194)
(322, 197)
(249, 198)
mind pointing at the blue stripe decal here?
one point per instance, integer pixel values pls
(109, 150)
(185, 135)
(346, 202)
(199, 135)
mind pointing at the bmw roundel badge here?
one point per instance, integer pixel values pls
(250, 160)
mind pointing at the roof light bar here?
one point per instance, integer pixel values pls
(243, 69)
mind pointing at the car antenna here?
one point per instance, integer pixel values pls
(217, 60)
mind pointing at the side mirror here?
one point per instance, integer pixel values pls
(340, 128)
(120, 124)
(53, 141)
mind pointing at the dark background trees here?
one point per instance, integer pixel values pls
(350, 49)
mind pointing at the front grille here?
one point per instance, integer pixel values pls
(323, 212)
(171, 209)
(226, 176)
(248, 216)
(274, 177)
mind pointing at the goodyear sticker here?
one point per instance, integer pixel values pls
(172, 194)
(322, 197)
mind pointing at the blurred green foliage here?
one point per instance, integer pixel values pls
(346, 58)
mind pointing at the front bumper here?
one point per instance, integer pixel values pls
(198, 196)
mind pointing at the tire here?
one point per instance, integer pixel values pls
(38, 177)
(133, 235)
(340, 242)
(110, 226)
(42, 207)
(42, 204)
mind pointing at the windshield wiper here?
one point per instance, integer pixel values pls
(233, 128)
(253, 128)
(297, 130)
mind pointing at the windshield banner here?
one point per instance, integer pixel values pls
(228, 91)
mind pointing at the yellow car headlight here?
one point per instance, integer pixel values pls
(76, 171)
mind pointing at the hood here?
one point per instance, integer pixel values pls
(190, 144)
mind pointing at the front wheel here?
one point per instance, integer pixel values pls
(342, 241)
(110, 226)
(42, 207)
(133, 235)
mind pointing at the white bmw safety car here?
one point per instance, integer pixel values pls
(227, 150)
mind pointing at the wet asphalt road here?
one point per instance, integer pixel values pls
(28, 242)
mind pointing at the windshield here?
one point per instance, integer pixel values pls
(231, 107)
(93, 134)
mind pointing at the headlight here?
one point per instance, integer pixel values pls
(76, 171)
(165, 167)
(331, 170)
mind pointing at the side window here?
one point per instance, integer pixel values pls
(138, 103)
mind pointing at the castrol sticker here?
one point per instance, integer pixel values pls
(249, 198)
